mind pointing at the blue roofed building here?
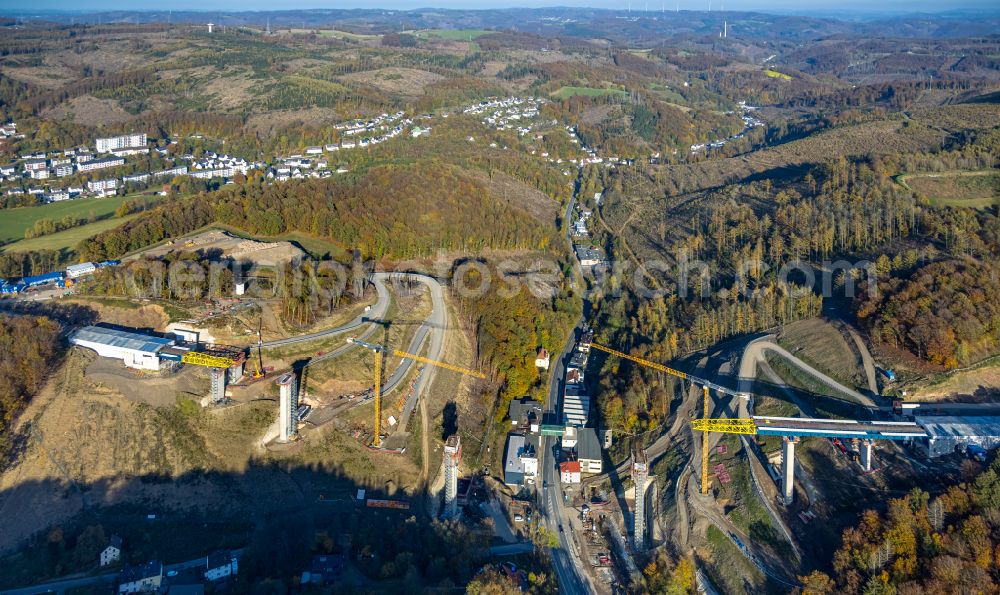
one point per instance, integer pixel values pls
(951, 433)
(136, 350)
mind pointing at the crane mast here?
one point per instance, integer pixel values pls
(705, 386)
(378, 350)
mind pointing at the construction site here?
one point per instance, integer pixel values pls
(765, 457)
(325, 405)
(751, 464)
(743, 489)
(236, 374)
(738, 470)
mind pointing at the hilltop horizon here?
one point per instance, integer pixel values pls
(838, 10)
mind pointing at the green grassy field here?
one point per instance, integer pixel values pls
(670, 95)
(567, 92)
(15, 221)
(819, 344)
(973, 189)
(65, 239)
(778, 75)
(453, 34)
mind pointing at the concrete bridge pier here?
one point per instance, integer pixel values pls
(288, 404)
(788, 467)
(866, 454)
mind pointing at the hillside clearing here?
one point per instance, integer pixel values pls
(567, 92)
(68, 239)
(821, 345)
(453, 34)
(974, 189)
(405, 81)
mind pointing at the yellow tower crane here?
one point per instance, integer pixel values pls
(736, 425)
(705, 386)
(378, 350)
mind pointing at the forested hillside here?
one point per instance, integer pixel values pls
(390, 211)
(509, 329)
(744, 234)
(922, 545)
(28, 347)
(947, 312)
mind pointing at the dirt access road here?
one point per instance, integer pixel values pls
(755, 353)
(433, 326)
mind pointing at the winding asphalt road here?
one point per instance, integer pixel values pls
(108, 578)
(754, 353)
(376, 312)
(437, 321)
(566, 561)
(435, 325)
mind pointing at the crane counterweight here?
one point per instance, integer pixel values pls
(706, 387)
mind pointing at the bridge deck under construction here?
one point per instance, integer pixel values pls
(838, 428)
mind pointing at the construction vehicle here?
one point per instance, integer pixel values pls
(976, 453)
(258, 364)
(378, 350)
(705, 385)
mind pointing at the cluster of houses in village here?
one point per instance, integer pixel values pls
(749, 122)
(590, 156)
(111, 152)
(356, 134)
(217, 569)
(382, 122)
(219, 165)
(108, 153)
(581, 445)
(9, 130)
(297, 167)
(580, 225)
(507, 113)
(146, 178)
(588, 255)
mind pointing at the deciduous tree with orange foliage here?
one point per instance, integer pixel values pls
(922, 545)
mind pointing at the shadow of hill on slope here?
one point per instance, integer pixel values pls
(281, 513)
